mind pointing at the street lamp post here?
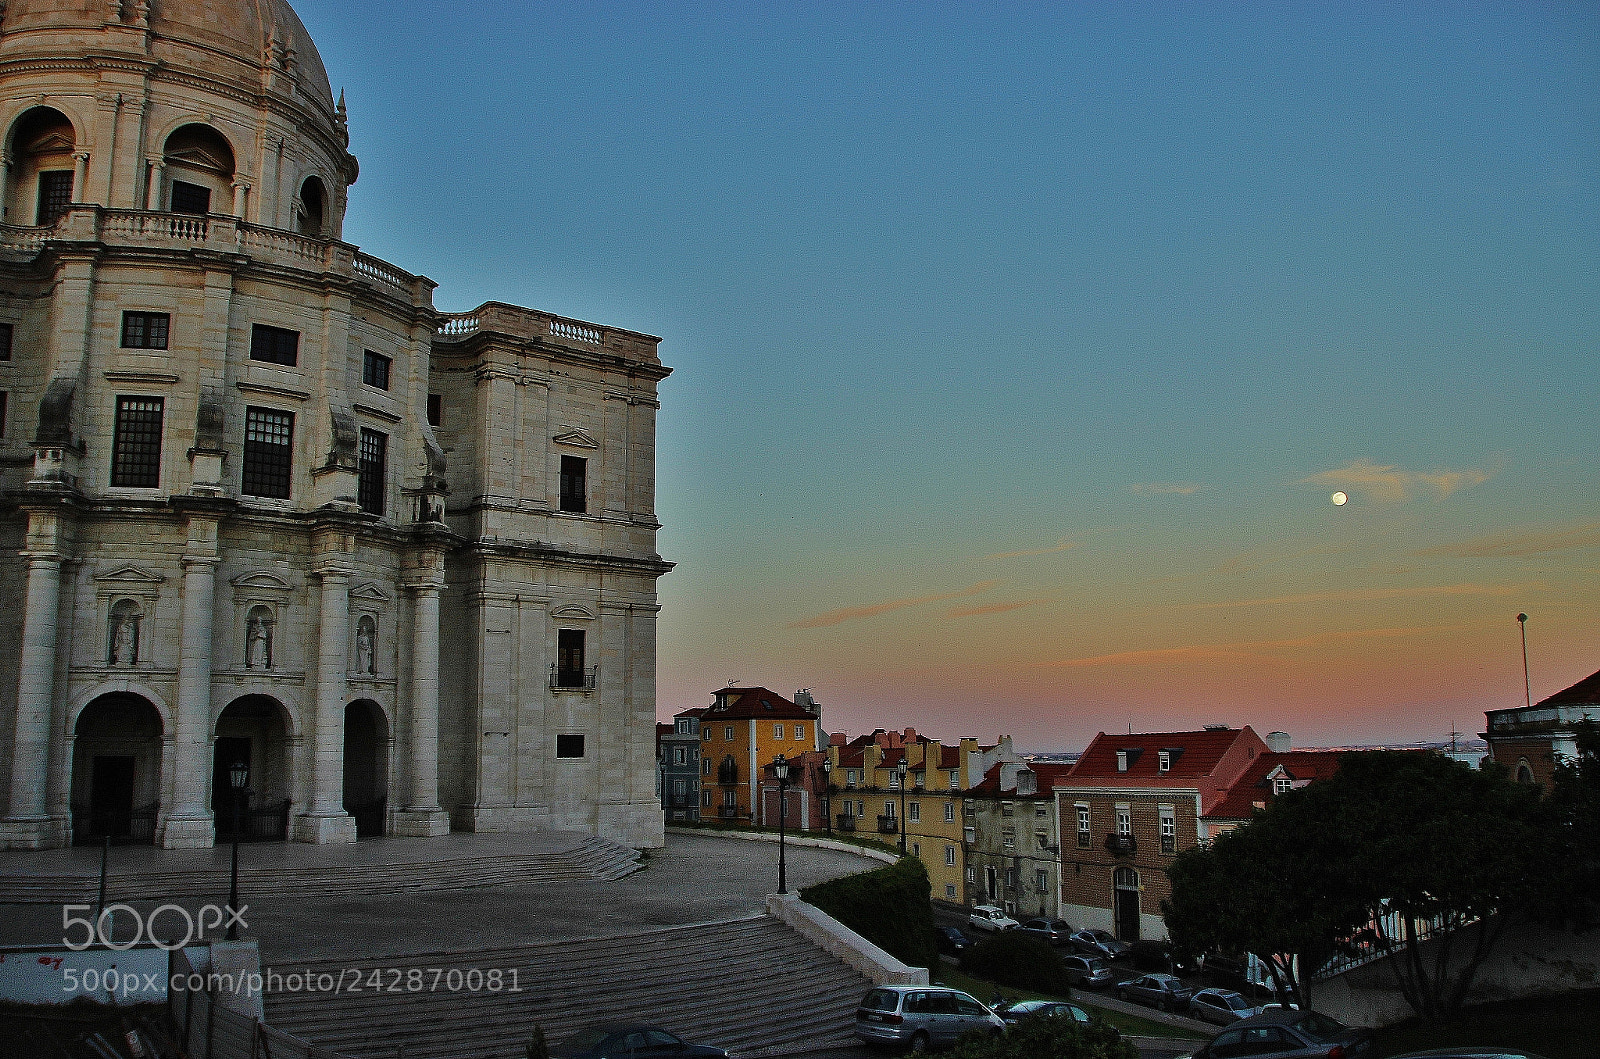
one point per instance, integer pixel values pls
(827, 789)
(780, 768)
(237, 777)
(900, 771)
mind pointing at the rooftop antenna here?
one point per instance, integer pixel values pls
(1527, 688)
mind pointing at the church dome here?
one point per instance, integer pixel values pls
(230, 38)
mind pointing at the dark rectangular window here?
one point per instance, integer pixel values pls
(435, 409)
(190, 198)
(5, 341)
(145, 330)
(55, 194)
(268, 448)
(374, 369)
(370, 486)
(136, 444)
(275, 345)
(569, 658)
(569, 746)
(574, 483)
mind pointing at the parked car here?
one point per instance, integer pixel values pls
(1159, 956)
(601, 1042)
(1232, 972)
(991, 917)
(1016, 1010)
(1469, 1052)
(1099, 943)
(1221, 1006)
(919, 1016)
(1286, 1034)
(1160, 990)
(1088, 972)
(1055, 931)
(952, 941)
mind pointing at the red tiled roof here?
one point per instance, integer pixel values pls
(1253, 787)
(990, 784)
(1585, 692)
(851, 757)
(693, 711)
(760, 703)
(1201, 751)
(1049, 775)
(949, 757)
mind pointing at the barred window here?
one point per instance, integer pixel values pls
(145, 330)
(569, 658)
(374, 457)
(136, 443)
(274, 345)
(55, 194)
(268, 449)
(190, 198)
(5, 341)
(375, 369)
(574, 483)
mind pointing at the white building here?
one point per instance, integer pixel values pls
(262, 503)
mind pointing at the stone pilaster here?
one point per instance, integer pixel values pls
(29, 825)
(422, 815)
(189, 825)
(325, 820)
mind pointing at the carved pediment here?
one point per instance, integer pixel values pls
(52, 142)
(573, 612)
(197, 158)
(369, 592)
(261, 581)
(580, 439)
(129, 574)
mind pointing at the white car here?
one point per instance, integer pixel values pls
(991, 917)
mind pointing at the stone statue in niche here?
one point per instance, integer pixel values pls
(124, 634)
(258, 639)
(364, 647)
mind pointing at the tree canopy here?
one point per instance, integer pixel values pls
(1426, 858)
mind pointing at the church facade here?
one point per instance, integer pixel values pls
(284, 550)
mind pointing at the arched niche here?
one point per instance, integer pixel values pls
(199, 168)
(40, 148)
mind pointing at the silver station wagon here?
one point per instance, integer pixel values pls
(921, 1016)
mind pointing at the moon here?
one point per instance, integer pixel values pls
(1339, 499)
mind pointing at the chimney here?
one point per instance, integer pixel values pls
(1278, 742)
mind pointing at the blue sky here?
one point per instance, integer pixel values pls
(1018, 347)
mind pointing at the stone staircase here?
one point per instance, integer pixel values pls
(593, 858)
(750, 985)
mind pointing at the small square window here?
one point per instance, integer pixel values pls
(274, 345)
(950, 891)
(375, 369)
(1164, 761)
(569, 746)
(5, 341)
(142, 330)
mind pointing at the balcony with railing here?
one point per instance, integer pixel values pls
(1121, 844)
(888, 825)
(565, 678)
(517, 322)
(845, 822)
(728, 772)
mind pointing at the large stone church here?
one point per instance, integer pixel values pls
(285, 551)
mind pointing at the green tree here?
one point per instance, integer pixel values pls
(889, 906)
(1573, 896)
(537, 1048)
(1020, 960)
(1434, 859)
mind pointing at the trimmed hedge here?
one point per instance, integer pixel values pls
(888, 906)
(1057, 1037)
(1020, 960)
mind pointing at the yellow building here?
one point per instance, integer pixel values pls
(741, 732)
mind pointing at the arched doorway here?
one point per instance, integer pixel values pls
(199, 163)
(116, 770)
(253, 730)
(366, 766)
(313, 214)
(42, 142)
(1125, 892)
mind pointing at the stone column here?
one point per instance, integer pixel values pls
(325, 819)
(152, 193)
(422, 815)
(5, 187)
(240, 191)
(29, 826)
(189, 824)
(80, 176)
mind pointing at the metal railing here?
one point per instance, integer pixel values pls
(573, 679)
(129, 826)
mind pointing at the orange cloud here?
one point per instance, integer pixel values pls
(1249, 649)
(1367, 595)
(1159, 488)
(1390, 483)
(991, 608)
(1507, 545)
(843, 614)
(1060, 546)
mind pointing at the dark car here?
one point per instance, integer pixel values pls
(1470, 1052)
(1158, 956)
(1229, 971)
(1160, 990)
(614, 1042)
(951, 940)
(1099, 943)
(1221, 1006)
(1287, 1034)
(1016, 1011)
(1088, 972)
(1055, 931)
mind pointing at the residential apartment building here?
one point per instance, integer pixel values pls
(741, 732)
(1130, 803)
(678, 761)
(1013, 839)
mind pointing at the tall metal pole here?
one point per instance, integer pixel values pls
(783, 804)
(1527, 686)
(902, 771)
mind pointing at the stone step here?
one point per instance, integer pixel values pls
(699, 981)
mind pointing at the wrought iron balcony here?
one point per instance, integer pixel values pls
(562, 679)
(1121, 845)
(845, 823)
(889, 825)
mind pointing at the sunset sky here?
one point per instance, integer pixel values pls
(1019, 348)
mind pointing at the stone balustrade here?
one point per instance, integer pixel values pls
(519, 322)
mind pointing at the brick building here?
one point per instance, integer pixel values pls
(1529, 740)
